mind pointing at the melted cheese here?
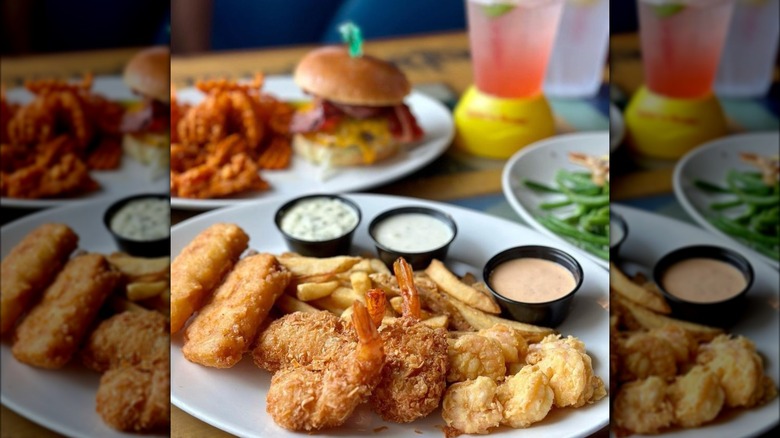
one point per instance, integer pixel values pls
(356, 133)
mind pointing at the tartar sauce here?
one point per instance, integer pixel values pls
(703, 280)
(143, 219)
(412, 232)
(532, 280)
(318, 219)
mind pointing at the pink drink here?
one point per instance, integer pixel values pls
(681, 44)
(511, 41)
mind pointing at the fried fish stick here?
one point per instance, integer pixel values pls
(135, 398)
(128, 339)
(200, 267)
(30, 267)
(225, 328)
(52, 332)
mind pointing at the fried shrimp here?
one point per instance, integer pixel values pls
(326, 392)
(697, 397)
(300, 338)
(738, 367)
(513, 345)
(526, 397)
(642, 407)
(414, 377)
(472, 406)
(643, 355)
(471, 356)
(569, 369)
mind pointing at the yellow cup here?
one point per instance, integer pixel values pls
(492, 127)
(666, 128)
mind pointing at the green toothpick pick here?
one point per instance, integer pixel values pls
(351, 35)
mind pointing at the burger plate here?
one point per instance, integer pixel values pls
(303, 177)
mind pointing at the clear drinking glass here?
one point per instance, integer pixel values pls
(511, 41)
(580, 49)
(682, 41)
(751, 49)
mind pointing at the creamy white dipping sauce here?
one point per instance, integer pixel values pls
(319, 219)
(615, 233)
(412, 233)
(143, 219)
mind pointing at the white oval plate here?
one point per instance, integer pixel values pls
(650, 237)
(539, 162)
(303, 177)
(711, 162)
(234, 399)
(130, 178)
(617, 129)
(61, 400)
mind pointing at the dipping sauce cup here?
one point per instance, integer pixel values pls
(318, 225)
(418, 234)
(534, 284)
(705, 284)
(618, 231)
(141, 224)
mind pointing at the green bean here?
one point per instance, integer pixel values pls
(564, 228)
(556, 204)
(709, 187)
(540, 187)
(726, 204)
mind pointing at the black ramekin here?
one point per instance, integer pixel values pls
(139, 248)
(318, 248)
(618, 221)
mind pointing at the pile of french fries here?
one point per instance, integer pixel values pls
(147, 284)
(449, 302)
(642, 306)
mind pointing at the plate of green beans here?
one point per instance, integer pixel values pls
(560, 186)
(730, 186)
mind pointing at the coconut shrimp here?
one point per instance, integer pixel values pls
(301, 338)
(471, 356)
(526, 397)
(326, 392)
(642, 407)
(697, 397)
(738, 367)
(413, 379)
(569, 369)
(472, 406)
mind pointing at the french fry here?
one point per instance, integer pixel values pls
(363, 265)
(438, 321)
(635, 293)
(481, 320)
(310, 266)
(313, 291)
(347, 314)
(138, 291)
(134, 267)
(651, 320)
(379, 266)
(338, 300)
(360, 282)
(449, 283)
(439, 303)
(288, 304)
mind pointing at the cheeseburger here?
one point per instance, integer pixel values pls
(146, 125)
(357, 116)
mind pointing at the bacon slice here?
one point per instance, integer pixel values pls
(153, 116)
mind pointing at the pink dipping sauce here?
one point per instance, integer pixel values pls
(532, 280)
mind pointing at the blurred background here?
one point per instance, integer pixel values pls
(214, 25)
(49, 26)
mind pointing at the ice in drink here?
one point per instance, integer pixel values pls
(511, 41)
(751, 49)
(577, 64)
